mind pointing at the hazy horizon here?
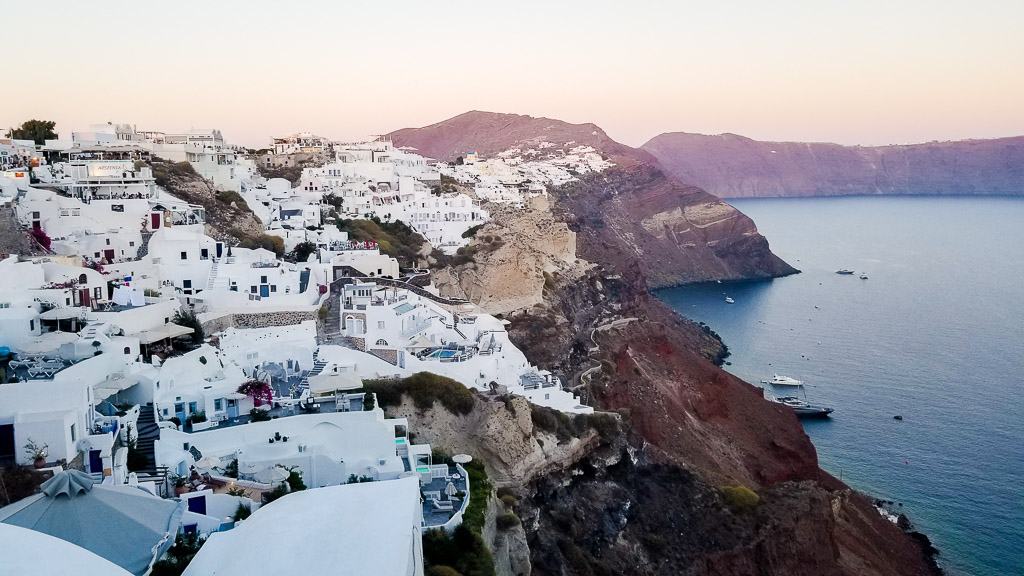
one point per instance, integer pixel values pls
(870, 74)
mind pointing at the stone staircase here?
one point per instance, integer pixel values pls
(215, 281)
(144, 249)
(147, 432)
(318, 367)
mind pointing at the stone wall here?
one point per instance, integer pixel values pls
(389, 355)
(257, 320)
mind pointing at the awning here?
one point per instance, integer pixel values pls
(170, 330)
(235, 396)
(63, 313)
(326, 383)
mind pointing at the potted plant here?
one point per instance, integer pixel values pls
(37, 452)
(180, 485)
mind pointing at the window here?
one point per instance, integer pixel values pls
(252, 289)
(132, 243)
(186, 283)
(218, 404)
(273, 287)
(263, 279)
(32, 325)
(127, 350)
(96, 254)
(83, 279)
(184, 255)
(380, 324)
(97, 293)
(108, 241)
(382, 342)
(74, 433)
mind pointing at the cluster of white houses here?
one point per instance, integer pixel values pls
(146, 428)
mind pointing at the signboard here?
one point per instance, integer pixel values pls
(110, 168)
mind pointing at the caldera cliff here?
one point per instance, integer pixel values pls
(732, 166)
(700, 475)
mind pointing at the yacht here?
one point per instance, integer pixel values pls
(729, 300)
(783, 381)
(803, 409)
(844, 272)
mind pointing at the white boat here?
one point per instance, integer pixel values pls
(863, 276)
(783, 381)
(729, 300)
(844, 271)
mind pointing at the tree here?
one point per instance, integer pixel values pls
(259, 391)
(38, 131)
(187, 317)
(303, 250)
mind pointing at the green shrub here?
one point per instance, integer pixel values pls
(294, 480)
(273, 243)
(368, 402)
(393, 238)
(508, 500)
(229, 196)
(242, 512)
(302, 251)
(424, 388)
(231, 470)
(507, 521)
(472, 231)
(257, 415)
(187, 317)
(740, 498)
(443, 571)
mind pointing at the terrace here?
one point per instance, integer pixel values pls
(445, 490)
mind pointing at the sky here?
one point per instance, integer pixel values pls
(865, 72)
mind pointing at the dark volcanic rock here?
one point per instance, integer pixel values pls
(731, 166)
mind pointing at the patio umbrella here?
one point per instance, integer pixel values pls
(451, 490)
(272, 475)
(462, 458)
(208, 462)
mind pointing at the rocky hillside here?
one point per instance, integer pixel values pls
(227, 215)
(704, 476)
(678, 233)
(731, 166)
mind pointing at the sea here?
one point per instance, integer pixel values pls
(935, 335)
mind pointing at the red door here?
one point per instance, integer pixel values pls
(109, 255)
(155, 216)
(83, 297)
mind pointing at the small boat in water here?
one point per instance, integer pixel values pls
(845, 272)
(803, 409)
(783, 381)
(729, 300)
(863, 276)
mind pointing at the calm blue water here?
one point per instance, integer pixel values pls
(936, 334)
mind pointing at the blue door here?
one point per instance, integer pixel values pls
(95, 462)
(197, 504)
(264, 291)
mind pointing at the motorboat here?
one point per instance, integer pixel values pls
(845, 272)
(783, 381)
(863, 276)
(729, 300)
(803, 409)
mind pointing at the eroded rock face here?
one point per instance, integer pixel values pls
(509, 270)
(731, 166)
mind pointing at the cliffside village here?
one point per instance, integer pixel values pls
(174, 386)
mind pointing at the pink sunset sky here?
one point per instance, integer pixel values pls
(866, 72)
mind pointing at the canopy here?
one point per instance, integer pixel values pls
(272, 475)
(462, 458)
(328, 382)
(169, 330)
(48, 342)
(124, 524)
(63, 313)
